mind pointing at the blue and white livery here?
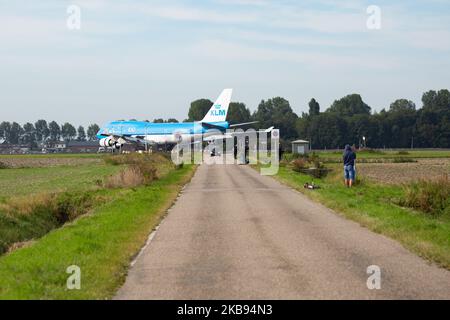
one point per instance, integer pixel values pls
(116, 133)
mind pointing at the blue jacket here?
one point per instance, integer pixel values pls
(349, 156)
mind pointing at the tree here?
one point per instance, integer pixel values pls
(55, 131)
(5, 131)
(359, 126)
(15, 133)
(42, 131)
(68, 132)
(172, 120)
(277, 112)
(238, 113)
(434, 101)
(314, 107)
(198, 109)
(330, 131)
(325, 130)
(349, 105)
(81, 134)
(443, 100)
(92, 131)
(160, 120)
(29, 133)
(402, 105)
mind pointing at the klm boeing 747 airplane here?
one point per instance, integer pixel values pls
(117, 133)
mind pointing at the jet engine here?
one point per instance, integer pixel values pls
(107, 142)
(110, 142)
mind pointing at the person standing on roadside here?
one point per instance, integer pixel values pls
(349, 158)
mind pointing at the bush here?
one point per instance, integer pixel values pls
(429, 196)
(289, 157)
(132, 176)
(299, 164)
(312, 167)
(3, 165)
(313, 157)
(141, 169)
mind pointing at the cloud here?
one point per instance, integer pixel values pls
(226, 51)
(437, 40)
(302, 40)
(20, 28)
(323, 22)
(184, 13)
(257, 3)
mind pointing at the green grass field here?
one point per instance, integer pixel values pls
(101, 244)
(374, 206)
(32, 199)
(26, 181)
(62, 215)
(389, 154)
(54, 155)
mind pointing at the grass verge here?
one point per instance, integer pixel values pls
(101, 244)
(374, 207)
(388, 154)
(26, 181)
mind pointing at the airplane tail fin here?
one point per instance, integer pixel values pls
(219, 110)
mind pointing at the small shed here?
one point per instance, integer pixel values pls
(300, 146)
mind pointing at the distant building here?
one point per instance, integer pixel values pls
(300, 146)
(54, 147)
(71, 147)
(82, 146)
(6, 148)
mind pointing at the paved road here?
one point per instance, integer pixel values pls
(234, 234)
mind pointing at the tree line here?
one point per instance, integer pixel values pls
(348, 120)
(42, 131)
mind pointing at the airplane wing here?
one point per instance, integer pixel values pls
(242, 124)
(213, 126)
(217, 137)
(229, 135)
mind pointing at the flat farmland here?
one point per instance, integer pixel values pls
(45, 161)
(28, 175)
(380, 154)
(397, 173)
(94, 211)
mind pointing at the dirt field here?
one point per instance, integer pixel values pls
(395, 173)
(29, 162)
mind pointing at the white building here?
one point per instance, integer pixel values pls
(300, 146)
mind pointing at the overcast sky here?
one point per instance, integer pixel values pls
(150, 59)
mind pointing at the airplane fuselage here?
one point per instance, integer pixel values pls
(158, 133)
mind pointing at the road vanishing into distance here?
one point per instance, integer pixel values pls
(234, 234)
